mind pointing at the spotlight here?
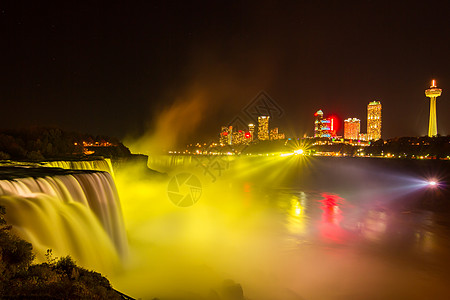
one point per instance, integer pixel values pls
(432, 183)
(299, 151)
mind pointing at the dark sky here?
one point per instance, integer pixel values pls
(113, 67)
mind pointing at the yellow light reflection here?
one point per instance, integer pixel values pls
(297, 219)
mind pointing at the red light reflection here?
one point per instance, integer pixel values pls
(331, 218)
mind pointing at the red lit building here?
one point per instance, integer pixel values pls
(324, 127)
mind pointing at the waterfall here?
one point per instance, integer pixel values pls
(97, 165)
(75, 214)
(165, 163)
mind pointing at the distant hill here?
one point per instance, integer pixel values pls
(44, 143)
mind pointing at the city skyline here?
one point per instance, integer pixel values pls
(123, 70)
(325, 126)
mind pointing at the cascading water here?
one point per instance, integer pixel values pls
(97, 164)
(166, 163)
(75, 214)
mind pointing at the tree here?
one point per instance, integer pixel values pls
(55, 279)
(15, 254)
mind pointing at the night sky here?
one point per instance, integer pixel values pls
(114, 68)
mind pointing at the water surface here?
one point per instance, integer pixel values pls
(289, 228)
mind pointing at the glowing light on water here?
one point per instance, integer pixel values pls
(331, 218)
(296, 152)
(286, 154)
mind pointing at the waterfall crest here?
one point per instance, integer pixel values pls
(97, 165)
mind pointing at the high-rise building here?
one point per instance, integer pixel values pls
(263, 128)
(251, 130)
(433, 92)
(318, 123)
(223, 138)
(226, 134)
(238, 137)
(374, 121)
(323, 127)
(274, 134)
(352, 127)
(247, 137)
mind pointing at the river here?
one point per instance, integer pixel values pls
(293, 227)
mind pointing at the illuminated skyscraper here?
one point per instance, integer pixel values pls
(433, 92)
(323, 127)
(263, 128)
(318, 123)
(223, 138)
(352, 127)
(226, 135)
(230, 135)
(247, 137)
(238, 137)
(374, 121)
(274, 134)
(251, 130)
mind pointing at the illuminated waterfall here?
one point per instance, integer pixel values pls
(75, 214)
(97, 165)
(167, 162)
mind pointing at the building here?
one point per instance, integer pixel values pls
(352, 127)
(374, 121)
(247, 137)
(318, 123)
(263, 128)
(323, 127)
(363, 136)
(226, 134)
(223, 137)
(251, 130)
(239, 137)
(276, 135)
(433, 92)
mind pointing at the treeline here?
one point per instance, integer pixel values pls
(43, 143)
(55, 279)
(403, 147)
(412, 147)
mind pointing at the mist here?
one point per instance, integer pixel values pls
(271, 226)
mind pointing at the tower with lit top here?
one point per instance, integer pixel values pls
(433, 92)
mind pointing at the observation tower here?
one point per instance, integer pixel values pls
(433, 92)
